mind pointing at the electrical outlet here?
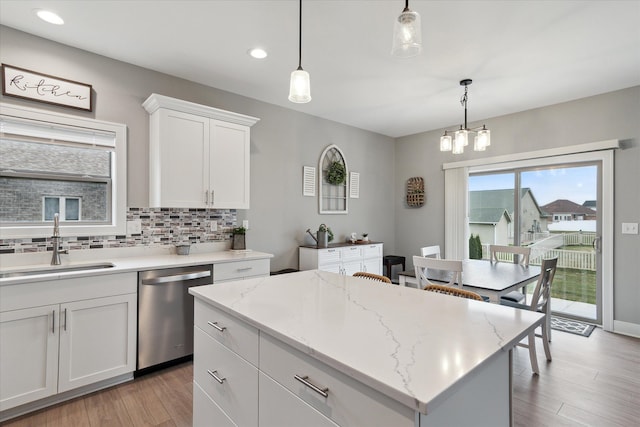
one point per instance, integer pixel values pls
(629, 228)
(134, 227)
(245, 223)
(214, 225)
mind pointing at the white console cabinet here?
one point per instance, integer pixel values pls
(81, 331)
(199, 155)
(342, 259)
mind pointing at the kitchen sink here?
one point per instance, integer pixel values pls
(54, 270)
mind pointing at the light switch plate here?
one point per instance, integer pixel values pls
(134, 227)
(245, 223)
(629, 228)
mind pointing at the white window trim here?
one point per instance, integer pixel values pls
(117, 226)
(456, 185)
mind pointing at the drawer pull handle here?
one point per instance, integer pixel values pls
(245, 269)
(215, 376)
(304, 380)
(215, 325)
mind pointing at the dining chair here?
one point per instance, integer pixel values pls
(430, 251)
(371, 276)
(451, 268)
(450, 290)
(523, 253)
(540, 302)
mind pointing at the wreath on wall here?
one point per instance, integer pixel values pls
(336, 173)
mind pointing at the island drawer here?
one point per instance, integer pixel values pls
(240, 269)
(348, 402)
(231, 332)
(229, 380)
(206, 412)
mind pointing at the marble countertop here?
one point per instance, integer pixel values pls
(123, 261)
(416, 347)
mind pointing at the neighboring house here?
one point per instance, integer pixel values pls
(566, 210)
(591, 204)
(532, 217)
(491, 224)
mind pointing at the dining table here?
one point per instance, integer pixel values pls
(487, 278)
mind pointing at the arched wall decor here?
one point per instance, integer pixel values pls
(333, 182)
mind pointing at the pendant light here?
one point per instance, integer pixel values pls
(460, 138)
(300, 85)
(407, 34)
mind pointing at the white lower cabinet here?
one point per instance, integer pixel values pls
(240, 270)
(74, 342)
(28, 367)
(97, 340)
(245, 377)
(347, 259)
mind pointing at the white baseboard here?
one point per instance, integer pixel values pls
(626, 328)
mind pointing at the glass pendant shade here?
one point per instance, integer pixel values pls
(300, 87)
(482, 140)
(407, 35)
(461, 140)
(446, 142)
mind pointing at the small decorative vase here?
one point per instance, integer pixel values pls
(238, 242)
(323, 239)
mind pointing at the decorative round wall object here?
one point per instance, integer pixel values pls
(415, 192)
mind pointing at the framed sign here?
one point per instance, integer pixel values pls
(40, 87)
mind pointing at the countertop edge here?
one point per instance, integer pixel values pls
(136, 263)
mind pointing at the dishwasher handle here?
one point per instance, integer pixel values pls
(177, 278)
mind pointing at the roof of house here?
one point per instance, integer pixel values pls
(590, 204)
(488, 215)
(498, 199)
(566, 206)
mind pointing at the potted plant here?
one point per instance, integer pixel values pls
(239, 242)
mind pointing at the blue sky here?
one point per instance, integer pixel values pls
(576, 184)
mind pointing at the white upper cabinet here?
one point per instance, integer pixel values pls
(199, 155)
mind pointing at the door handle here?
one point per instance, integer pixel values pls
(597, 244)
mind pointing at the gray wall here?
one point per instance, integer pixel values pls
(281, 144)
(613, 115)
(284, 141)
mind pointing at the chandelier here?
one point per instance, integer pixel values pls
(460, 137)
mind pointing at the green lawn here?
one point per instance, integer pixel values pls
(573, 285)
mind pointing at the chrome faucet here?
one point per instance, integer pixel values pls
(55, 240)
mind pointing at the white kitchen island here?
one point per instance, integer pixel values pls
(319, 348)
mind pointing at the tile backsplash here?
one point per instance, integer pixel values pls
(160, 226)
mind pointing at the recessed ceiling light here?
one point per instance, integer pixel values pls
(50, 17)
(257, 53)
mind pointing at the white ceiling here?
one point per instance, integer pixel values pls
(520, 54)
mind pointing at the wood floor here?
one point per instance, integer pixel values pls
(591, 381)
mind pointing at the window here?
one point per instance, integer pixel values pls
(53, 163)
(68, 208)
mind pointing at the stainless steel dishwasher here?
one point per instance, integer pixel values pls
(165, 313)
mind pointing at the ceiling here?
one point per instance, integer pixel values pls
(520, 54)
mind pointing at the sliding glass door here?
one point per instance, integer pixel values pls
(554, 210)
